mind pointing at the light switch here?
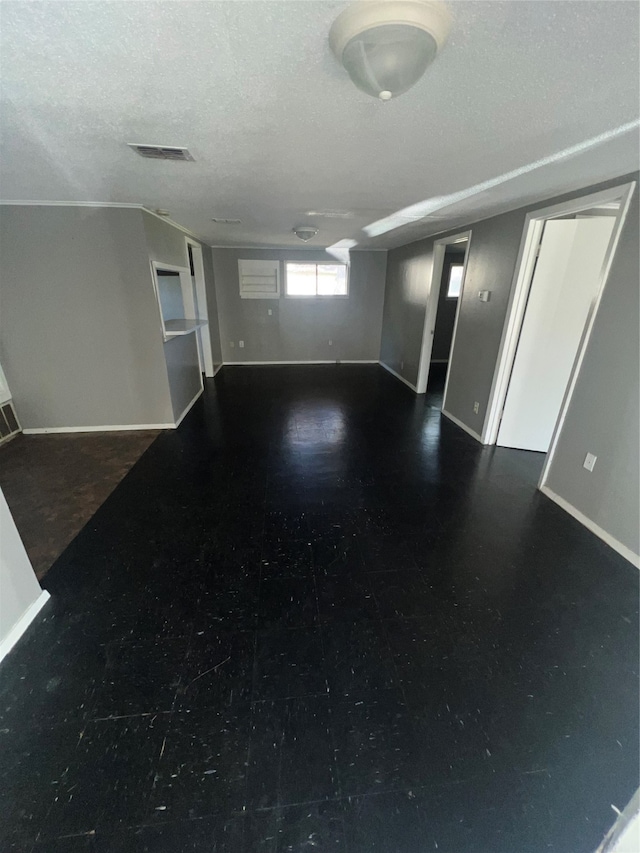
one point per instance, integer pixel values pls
(589, 461)
(484, 295)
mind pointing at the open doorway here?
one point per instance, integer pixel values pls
(565, 256)
(443, 302)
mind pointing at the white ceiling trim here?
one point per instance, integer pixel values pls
(32, 203)
(270, 248)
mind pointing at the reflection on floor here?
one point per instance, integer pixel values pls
(319, 616)
(54, 484)
(435, 385)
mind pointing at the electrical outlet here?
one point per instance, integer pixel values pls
(270, 312)
(231, 344)
(330, 343)
(241, 344)
(476, 408)
(402, 365)
(589, 461)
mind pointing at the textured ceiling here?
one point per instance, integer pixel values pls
(277, 128)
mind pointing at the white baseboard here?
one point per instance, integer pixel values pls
(337, 361)
(217, 370)
(621, 549)
(273, 363)
(103, 428)
(188, 409)
(463, 426)
(397, 375)
(23, 623)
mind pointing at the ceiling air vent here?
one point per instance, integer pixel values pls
(219, 221)
(161, 152)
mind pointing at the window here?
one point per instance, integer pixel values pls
(454, 285)
(316, 279)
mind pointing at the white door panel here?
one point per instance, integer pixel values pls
(565, 283)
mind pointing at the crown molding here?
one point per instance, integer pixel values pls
(289, 249)
(124, 205)
(46, 203)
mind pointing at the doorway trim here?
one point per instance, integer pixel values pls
(431, 309)
(203, 335)
(525, 266)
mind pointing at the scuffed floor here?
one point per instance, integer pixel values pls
(55, 483)
(321, 617)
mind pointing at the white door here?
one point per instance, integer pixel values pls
(565, 283)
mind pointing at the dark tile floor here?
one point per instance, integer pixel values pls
(319, 616)
(54, 483)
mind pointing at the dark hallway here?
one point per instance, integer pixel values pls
(319, 616)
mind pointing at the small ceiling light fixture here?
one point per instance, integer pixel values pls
(305, 232)
(161, 211)
(387, 45)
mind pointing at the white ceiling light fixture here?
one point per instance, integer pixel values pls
(305, 232)
(387, 45)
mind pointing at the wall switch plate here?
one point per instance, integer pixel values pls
(269, 312)
(589, 461)
(476, 408)
(484, 295)
(330, 343)
(240, 344)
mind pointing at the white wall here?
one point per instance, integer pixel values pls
(20, 593)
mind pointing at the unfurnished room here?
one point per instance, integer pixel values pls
(319, 426)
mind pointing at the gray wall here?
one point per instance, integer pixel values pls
(80, 334)
(604, 410)
(300, 329)
(603, 414)
(183, 370)
(446, 316)
(405, 298)
(490, 265)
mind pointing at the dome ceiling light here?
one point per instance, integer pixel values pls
(305, 232)
(387, 45)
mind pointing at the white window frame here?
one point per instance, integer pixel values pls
(319, 296)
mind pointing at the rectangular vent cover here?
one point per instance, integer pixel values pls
(9, 425)
(161, 152)
(259, 279)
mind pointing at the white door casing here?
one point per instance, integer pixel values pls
(565, 284)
